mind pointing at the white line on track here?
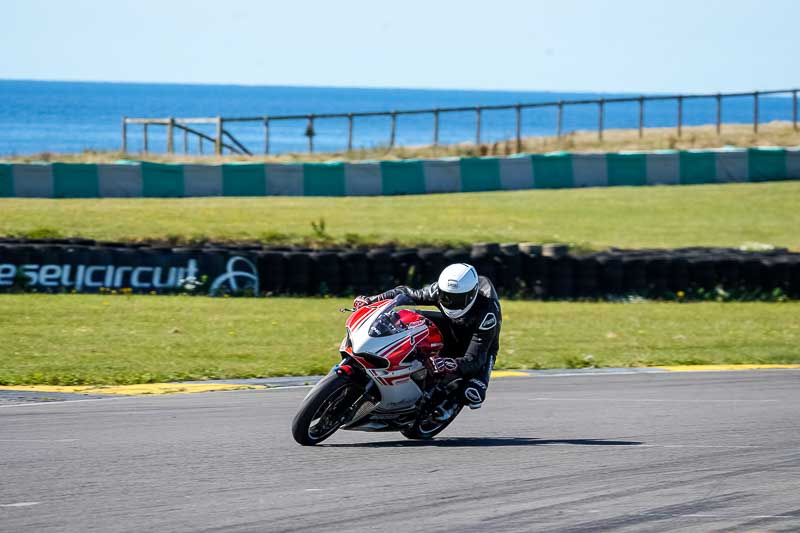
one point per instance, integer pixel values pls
(19, 504)
(64, 402)
(746, 446)
(648, 400)
(110, 398)
(729, 516)
(38, 440)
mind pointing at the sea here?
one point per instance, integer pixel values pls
(68, 117)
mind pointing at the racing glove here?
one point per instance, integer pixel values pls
(360, 301)
(443, 365)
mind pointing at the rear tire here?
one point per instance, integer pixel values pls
(427, 429)
(320, 413)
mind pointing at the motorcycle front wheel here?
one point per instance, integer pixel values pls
(323, 410)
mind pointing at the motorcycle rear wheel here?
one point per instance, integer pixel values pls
(320, 414)
(428, 428)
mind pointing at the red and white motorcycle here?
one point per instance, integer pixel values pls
(382, 382)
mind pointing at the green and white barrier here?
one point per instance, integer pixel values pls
(525, 171)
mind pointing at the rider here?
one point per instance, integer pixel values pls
(470, 322)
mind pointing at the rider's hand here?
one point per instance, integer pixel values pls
(443, 365)
(360, 301)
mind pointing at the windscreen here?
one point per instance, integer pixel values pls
(388, 321)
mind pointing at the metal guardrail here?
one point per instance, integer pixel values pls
(236, 147)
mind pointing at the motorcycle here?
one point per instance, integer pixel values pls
(382, 382)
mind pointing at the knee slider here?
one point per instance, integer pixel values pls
(474, 391)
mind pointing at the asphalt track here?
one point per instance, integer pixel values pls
(715, 451)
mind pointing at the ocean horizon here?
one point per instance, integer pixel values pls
(74, 116)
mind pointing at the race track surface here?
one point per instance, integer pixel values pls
(717, 451)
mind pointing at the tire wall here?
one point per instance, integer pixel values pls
(523, 270)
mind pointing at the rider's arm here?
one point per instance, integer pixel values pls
(425, 296)
(477, 354)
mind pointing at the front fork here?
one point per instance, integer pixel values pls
(357, 375)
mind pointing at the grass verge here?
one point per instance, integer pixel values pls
(595, 218)
(89, 339)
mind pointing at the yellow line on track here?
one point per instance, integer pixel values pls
(145, 388)
(712, 368)
(508, 374)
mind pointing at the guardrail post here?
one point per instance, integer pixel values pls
(125, 135)
(560, 119)
(641, 117)
(349, 132)
(394, 129)
(794, 109)
(755, 112)
(719, 113)
(145, 137)
(680, 115)
(436, 127)
(170, 135)
(200, 144)
(185, 142)
(601, 110)
(266, 135)
(518, 110)
(218, 141)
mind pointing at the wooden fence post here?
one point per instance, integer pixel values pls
(755, 112)
(641, 117)
(394, 129)
(200, 144)
(266, 135)
(680, 115)
(560, 119)
(310, 133)
(185, 142)
(719, 113)
(477, 126)
(518, 110)
(601, 111)
(349, 132)
(218, 141)
(436, 127)
(145, 137)
(171, 135)
(124, 135)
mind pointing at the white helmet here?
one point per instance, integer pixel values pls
(458, 289)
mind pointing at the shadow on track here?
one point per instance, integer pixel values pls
(489, 442)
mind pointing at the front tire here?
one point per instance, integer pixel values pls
(320, 413)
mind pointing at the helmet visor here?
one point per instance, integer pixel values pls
(457, 301)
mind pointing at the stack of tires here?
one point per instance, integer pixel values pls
(525, 270)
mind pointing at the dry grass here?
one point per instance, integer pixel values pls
(694, 137)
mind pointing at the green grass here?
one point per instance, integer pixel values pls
(77, 339)
(711, 215)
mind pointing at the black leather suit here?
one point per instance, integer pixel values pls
(473, 339)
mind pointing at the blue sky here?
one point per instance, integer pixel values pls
(559, 45)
